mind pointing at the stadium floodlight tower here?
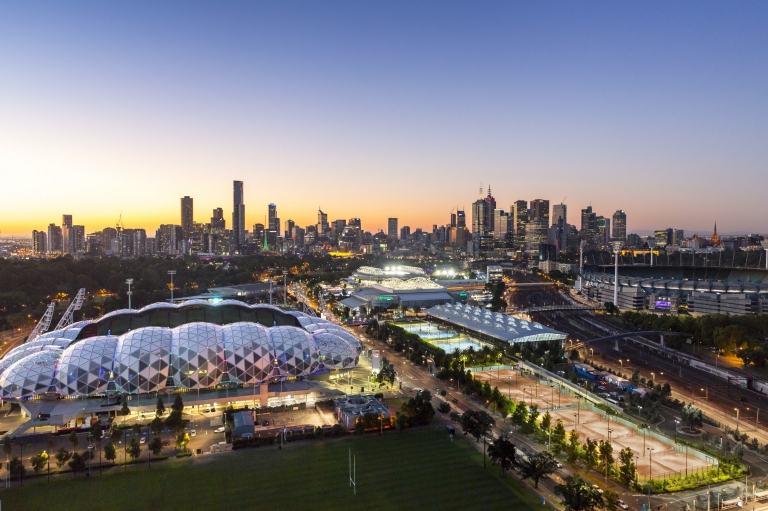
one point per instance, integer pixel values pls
(616, 251)
(651, 245)
(171, 273)
(129, 282)
(581, 264)
(764, 243)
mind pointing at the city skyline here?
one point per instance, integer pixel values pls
(373, 112)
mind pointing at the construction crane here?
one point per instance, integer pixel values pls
(43, 324)
(68, 317)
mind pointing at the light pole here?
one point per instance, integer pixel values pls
(285, 289)
(651, 245)
(129, 282)
(606, 456)
(171, 273)
(650, 460)
(616, 251)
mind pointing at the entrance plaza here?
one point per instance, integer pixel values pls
(663, 461)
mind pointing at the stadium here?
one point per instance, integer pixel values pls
(162, 348)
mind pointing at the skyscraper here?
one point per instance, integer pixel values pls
(54, 239)
(392, 229)
(217, 220)
(540, 209)
(186, 215)
(560, 225)
(559, 212)
(603, 231)
(289, 225)
(620, 225)
(272, 220)
(461, 219)
(500, 224)
(482, 214)
(322, 223)
(589, 231)
(238, 216)
(520, 216)
(39, 242)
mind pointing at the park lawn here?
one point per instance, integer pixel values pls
(418, 469)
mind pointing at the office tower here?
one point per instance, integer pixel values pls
(663, 237)
(151, 247)
(337, 227)
(238, 216)
(322, 224)
(66, 220)
(289, 226)
(482, 214)
(168, 239)
(461, 219)
(186, 215)
(620, 225)
(453, 219)
(589, 231)
(77, 235)
(519, 216)
(392, 229)
(603, 231)
(258, 234)
(272, 222)
(39, 242)
(500, 224)
(298, 236)
(405, 233)
(679, 237)
(54, 239)
(540, 209)
(535, 235)
(355, 222)
(140, 242)
(559, 212)
(217, 220)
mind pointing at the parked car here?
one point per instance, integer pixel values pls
(418, 389)
(601, 387)
(623, 505)
(596, 487)
(558, 464)
(220, 429)
(143, 440)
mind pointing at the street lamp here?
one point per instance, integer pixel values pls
(650, 460)
(171, 273)
(129, 282)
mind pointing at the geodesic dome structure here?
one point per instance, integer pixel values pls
(295, 351)
(143, 360)
(248, 352)
(30, 376)
(85, 367)
(197, 356)
(335, 351)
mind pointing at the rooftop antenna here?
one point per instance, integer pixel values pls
(481, 190)
(563, 201)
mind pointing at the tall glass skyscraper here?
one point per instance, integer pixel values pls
(238, 216)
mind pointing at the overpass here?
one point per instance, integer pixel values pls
(510, 285)
(548, 308)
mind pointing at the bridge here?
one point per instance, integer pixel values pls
(510, 285)
(548, 308)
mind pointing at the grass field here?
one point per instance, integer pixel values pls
(418, 469)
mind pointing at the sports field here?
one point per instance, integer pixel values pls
(418, 469)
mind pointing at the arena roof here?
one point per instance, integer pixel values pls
(389, 271)
(493, 324)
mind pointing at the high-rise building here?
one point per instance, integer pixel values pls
(589, 232)
(540, 209)
(405, 233)
(392, 230)
(238, 216)
(559, 212)
(77, 239)
(620, 225)
(536, 232)
(482, 214)
(679, 237)
(258, 234)
(500, 224)
(187, 215)
(560, 226)
(272, 220)
(217, 220)
(140, 242)
(322, 224)
(453, 219)
(289, 226)
(461, 219)
(519, 216)
(54, 239)
(663, 237)
(66, 220)
(603, 231)
(39, 245)
(168, 238)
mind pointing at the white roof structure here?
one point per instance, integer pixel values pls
(195, 355)
(493, 324)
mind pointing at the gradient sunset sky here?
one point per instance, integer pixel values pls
(377, 109)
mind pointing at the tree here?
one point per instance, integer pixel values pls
(477, 423)
(124, 410)
(182, 440)
(692, 417)
(386, 372)
(156, 446)
(520, 415)
(77, 463)
(606, 453)
(537, 466)
(110, 452)
(359, 427)
(62, 456)
(546, 422)
(502, 452)
(39, 461)
(160, 407)
(16, 468)
(574, 356)
(611, 309)
(134, 448)
(444, 407)
(578, 495)
(416, 310)
(590, 454)
(627, 469)
(136, 430)
(572, 449)
(730, 337)
(558, 437)
(319, 433)
(7, 446)
(73, 438)
(419, 409)
(610, 500)
(530, 422)
(178, 404)
(401, 421)
(156, 426)
(635, 377)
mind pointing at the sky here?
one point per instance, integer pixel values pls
(379, 109)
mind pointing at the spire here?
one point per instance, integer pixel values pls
(489, 191)
(715, 238)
